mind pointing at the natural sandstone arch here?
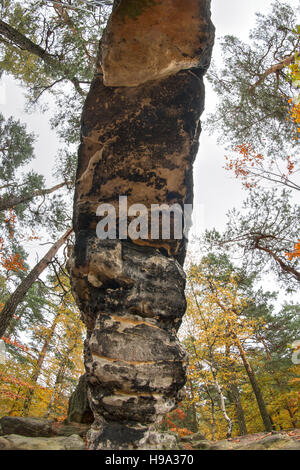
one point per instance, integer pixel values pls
(140, 130)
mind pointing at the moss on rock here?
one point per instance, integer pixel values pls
(134, 8)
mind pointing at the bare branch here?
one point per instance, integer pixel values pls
(274, 69)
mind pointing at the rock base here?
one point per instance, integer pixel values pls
(17, 442)
(114, 436)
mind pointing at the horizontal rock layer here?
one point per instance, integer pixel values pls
(151, 39)
(132, 304)
(38, 427)
(16, 442)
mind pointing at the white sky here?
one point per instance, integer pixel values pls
(216, 191)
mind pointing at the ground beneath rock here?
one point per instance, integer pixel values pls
(16, 442)
(279, 440)
(18, 433)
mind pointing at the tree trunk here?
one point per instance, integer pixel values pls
(140, 130)
(284, 266)
(234, 393)
(256, 389)
(275, 69)
(292, 415)
(190, 385)
(23, 43)
(240, 415)
(213, 413)
(58, 381)
(60, 376)
(20, 292)
(38, 368)
(213, 420)
(79, 410)
(279, 383)
(222, 404)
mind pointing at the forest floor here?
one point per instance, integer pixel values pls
(18, 433)
(276, 440)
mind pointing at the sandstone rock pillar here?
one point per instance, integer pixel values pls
(140, 130)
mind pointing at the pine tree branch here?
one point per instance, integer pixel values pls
(284, 266)
(63, 14)
(14, 201)
(11, 305)
(22, 42)
(274, 69)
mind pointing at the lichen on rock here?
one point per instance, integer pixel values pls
(134, 8)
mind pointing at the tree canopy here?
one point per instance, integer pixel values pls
(241, 378)
(253, 86)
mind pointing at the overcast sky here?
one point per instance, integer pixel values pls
(215, 190)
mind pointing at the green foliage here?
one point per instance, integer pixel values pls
(18, 182)
(226, 314)
(45, 26)
(70, 38)
(50, 318)
(256, 115)
(16, 148)
(261, 234)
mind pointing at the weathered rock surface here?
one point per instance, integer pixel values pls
(195, 441)
(139, 139)
(79, 410)
(135, 364)
(69, 437)
(31, 427)
(273, 442)
(140, 142)
(71, 429)
(16, 442)
(197, 436)
(37, 427)
(151, 39)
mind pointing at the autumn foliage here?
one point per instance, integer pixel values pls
(252, 167)
(223, 338)
(295, 253)
(10, 261)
